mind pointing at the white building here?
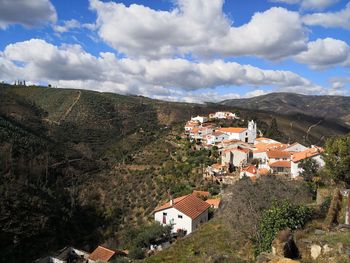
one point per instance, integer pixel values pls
(216, 137)
(236, 157)
(313, 153)
(200, 119)
(243, 134)
(183, 213)
(248, 171)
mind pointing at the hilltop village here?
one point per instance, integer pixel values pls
(244, 154)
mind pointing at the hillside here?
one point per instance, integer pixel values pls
(334, 108)
(82, 166)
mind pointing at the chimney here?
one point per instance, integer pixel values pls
(171, 200)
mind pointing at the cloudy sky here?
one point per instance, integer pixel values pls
(184, 50)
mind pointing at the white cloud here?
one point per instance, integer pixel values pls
(67, 26)
(71, 24)
(330, 19)
(324, 53)
(198, 27)
(308, 4)
(26, 13)
(70, 66)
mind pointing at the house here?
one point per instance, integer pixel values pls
(67, 255)
(101, 254)
(281, 167)
(190, 125)
(214, 203)
(184, 213)
(217, 169)
(247, 135)
(314, 153)
(200, 119)
(236, 157)
(278, 155)
(248, 171)
(295, 147)
(216, 137)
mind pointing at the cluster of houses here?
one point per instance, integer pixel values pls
(69, 255)
(243, 154)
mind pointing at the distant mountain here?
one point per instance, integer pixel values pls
(335, 108)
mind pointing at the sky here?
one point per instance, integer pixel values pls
(178, 50)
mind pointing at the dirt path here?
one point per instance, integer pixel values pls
(70, 107)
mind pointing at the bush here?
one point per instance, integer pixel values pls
(280, 216)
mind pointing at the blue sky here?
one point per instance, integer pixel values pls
(183, 50)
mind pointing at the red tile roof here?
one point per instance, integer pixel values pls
(190, 205)
(280, 164)
(278, 154)
(306, 154)
(102, 254)
(250, 169)
(263, 171)
(168, 205)
(214, 202)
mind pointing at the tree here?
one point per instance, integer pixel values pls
(337, 158)
(310, 168)
(273, 131)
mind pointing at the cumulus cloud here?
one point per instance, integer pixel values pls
(198, 27)
(308, 4)
(26, 13)
(71, 66)
(330, 19)
(324, 53)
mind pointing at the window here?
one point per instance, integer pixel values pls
(164, 214)
(179, 216)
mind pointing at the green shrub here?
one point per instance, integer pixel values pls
(280, 216)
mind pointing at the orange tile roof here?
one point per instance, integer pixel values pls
(278, 154)
(233, 129)
(200, 193)
(101, 253)
(296, 157)
(168, 205)
(280, 164)
(250, 169)
(195, 130)
(190, 205)
(214, 202)
(263, 171)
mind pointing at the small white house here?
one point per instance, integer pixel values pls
(313, 153)
(184, 213)
(200, 119)
(248, 171)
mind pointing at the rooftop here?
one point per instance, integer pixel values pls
(190, 205)
(102, 254)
